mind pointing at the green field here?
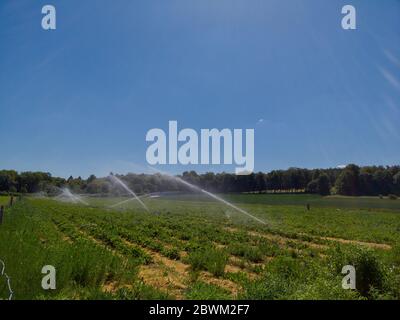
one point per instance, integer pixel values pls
(303, 199)
(4, 200)
(192, 248)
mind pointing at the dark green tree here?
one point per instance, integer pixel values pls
(323, 185)
(260, 182)
(347, 183)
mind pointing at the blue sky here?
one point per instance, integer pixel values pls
(80, 99)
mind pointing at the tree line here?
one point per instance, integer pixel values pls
(350, 181)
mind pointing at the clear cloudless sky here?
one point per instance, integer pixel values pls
(80, 99)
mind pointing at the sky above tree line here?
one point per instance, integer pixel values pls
(80, 99)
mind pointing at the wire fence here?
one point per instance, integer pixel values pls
(8, 279)
(3, 274)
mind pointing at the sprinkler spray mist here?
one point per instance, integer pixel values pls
(126, 188)
(67, 195)
(215, 197)
(126, 201)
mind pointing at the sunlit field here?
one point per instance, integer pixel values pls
(189, 247)
(4, 200)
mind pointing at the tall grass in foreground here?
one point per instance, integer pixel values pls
(300, 278)
(208, 259)
(29, 241)
(97, 252)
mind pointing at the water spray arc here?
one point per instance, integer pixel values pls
(67, 195)
(192, 186)
(122, 202)
(125, 201)
(119, 182)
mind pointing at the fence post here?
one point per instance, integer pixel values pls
(11, 201)
(1, 214)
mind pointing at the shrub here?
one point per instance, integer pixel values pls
(269, 288)
(280, 280)
(250, 253)
(392, 197)
(172, 253)
(370, 272)
(204, 291)
(208, 259)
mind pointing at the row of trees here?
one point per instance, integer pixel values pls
(27, 182)
(351, 181)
